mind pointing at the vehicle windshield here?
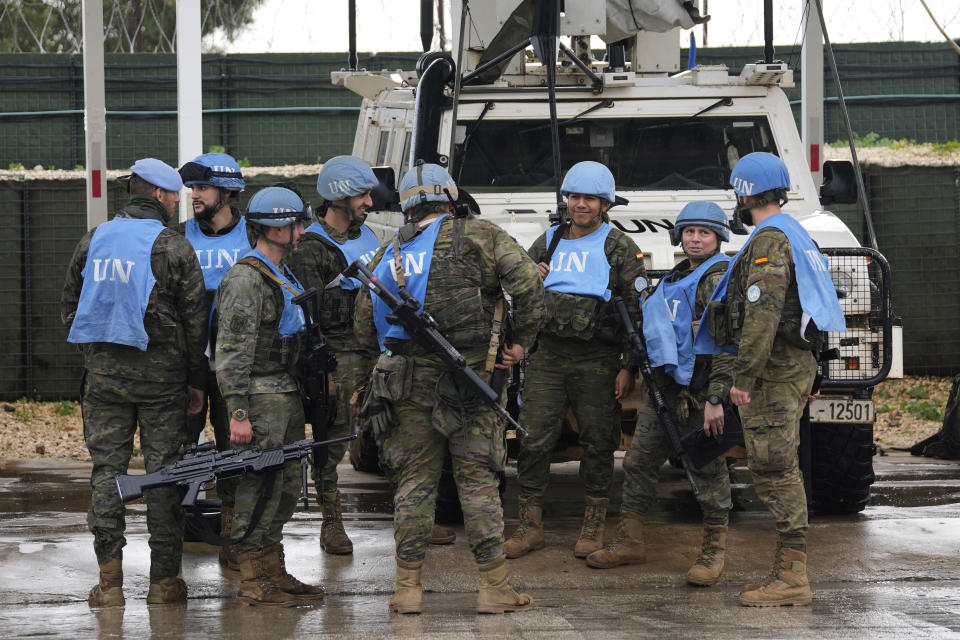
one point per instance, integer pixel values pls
(643, 153)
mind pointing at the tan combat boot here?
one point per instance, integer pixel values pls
(256, 589)
(109, 591)
(442, 535)
(407, 593)
(529, 535)
(227, 555)
(627, 547)
(591, 532)
(168, 590)
(275, 567)
(708, 565)
(496, 595)
(788, 585)
(333, 539)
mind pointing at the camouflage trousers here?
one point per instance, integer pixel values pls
(112, 408)
(277, 419)
(353, 370)
(555, 381)
(771, 433)
(650, 448)
(220, 420)
(413, 454)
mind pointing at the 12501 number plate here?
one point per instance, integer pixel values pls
(841, 410)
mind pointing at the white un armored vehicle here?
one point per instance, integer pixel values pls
(669, 136)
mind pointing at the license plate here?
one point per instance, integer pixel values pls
(841, 410)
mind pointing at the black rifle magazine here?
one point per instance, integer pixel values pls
(702, 449)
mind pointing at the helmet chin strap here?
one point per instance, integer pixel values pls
(289, 247)
(211, 210)
(352, 218)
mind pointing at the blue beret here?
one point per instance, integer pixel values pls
(158, 173)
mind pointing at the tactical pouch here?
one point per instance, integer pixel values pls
(570, 316)
(392, 377)
(457, 402)
(719, 323)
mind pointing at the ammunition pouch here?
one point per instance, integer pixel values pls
(392, 377)
(725, 320)
(457, 393)
(570, 316)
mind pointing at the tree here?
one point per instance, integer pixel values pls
(56, 26)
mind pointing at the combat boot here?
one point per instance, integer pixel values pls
(788, 585)
(591, 533)
(275, 567)
(227, 555)
(407, 593)
(529, 535)
(708, 565)
(496, 595)
(333, 539)
(109, 591)
(167, 590)
(442, 535)
(256, 589)
(627, 547)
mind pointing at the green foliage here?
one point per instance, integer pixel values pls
(65, 408)
(216, 148)
(243, 163)
(925, 410)
(79, 167)
(873, 139)
(15, 166)
(920, 392)
(946, 147)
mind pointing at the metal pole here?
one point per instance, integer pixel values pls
(811, 92)
(456, 87)
(94, 113)
(189, 90)
(861, 188)
(768, 31)
(352, 35)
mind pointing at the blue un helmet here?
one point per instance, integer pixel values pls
(277, 207)
(426, 183)
(343, 177)
(216, 169)
(762, 175)
(591, 179)
(701, 214)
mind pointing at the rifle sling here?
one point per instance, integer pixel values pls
(268, 274)
(210, 536)
(494, 347)
(398, 263)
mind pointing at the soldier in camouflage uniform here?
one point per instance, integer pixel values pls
(776, 288)
(219, 234)
(259, 331)
(143, 332)
(459, 267)
(582, 362)
(694, 387)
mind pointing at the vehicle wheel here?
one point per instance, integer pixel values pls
(842, 462)
(364, 455)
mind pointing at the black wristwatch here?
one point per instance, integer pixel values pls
(715, 399)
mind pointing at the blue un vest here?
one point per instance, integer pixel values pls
(667, 322)
(217, 253)
(818, 296)
(117, 281)
(291, 320)
(580, 266)
(417, 257)
(362, 248)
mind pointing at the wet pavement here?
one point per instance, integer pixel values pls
(891, 571)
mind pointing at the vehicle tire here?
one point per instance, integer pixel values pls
(842, 463)
(364, 455)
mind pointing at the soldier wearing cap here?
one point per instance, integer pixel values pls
(771, 309)
(459, 268)
(219, 234)
(134, 300)
(695, 387)
(582, 362)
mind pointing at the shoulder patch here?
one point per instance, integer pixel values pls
(753, 293)
(761, 260)
(639, 255)
(640, 284)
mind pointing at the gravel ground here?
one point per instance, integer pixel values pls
(908, 411)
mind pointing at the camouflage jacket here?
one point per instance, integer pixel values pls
(176, 315)
(600, 331)
(712, 375)
(474, 263)
(316, 263)
(766, 346)
(251, 356)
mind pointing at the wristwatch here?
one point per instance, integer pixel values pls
(239, 415)
(714, 399)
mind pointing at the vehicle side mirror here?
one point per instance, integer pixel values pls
(839, 183)
(384, 195)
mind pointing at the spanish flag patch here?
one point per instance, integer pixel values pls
(639, 255)
(761, 260)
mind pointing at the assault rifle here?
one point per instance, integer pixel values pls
(316, 363)
(664, 412)
(423, 327)
(202, 464)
